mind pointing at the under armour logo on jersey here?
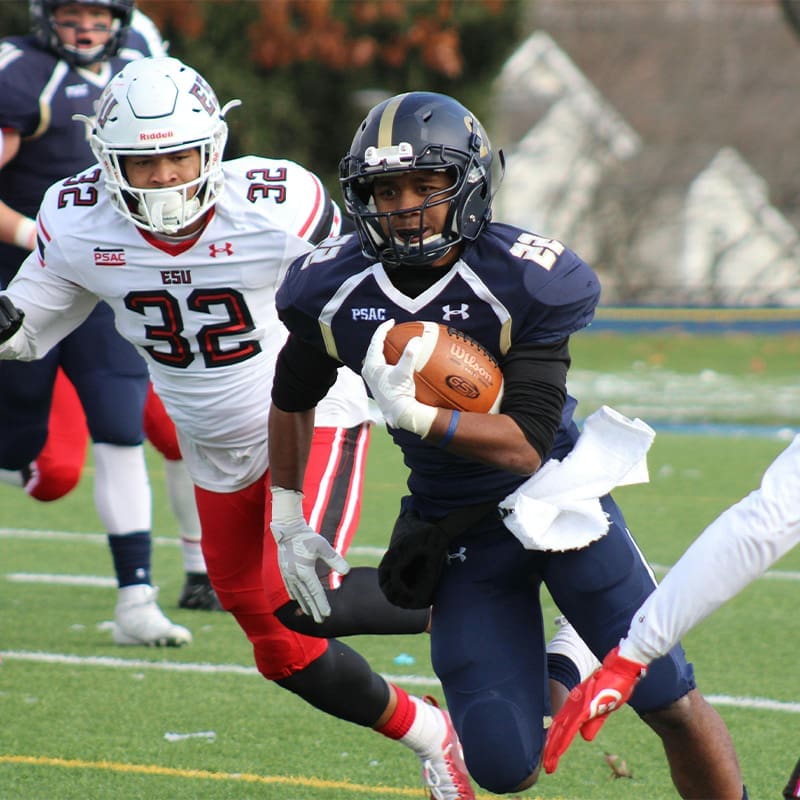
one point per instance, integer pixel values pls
(448, 312)
(459, 555)
(214, 250)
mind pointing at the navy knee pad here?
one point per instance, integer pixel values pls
(501, 746)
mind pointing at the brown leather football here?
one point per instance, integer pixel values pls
(452, 369)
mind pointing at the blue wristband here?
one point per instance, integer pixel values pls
(451, 429)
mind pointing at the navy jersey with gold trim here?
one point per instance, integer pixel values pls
(509, 288)
(39, 96)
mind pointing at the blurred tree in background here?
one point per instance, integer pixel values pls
(308, 70)
(709, 87)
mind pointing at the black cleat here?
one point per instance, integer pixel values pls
(198, 594)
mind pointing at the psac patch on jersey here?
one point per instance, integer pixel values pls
(109, 257)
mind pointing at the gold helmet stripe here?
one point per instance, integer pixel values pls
(387, 122)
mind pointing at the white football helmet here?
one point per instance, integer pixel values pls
(152, 107)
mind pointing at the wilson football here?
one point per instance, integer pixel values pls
(452, 369)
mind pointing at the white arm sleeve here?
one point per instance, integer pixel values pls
(734, 550)
(53, 308)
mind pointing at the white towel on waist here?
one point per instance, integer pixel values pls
(558, 508)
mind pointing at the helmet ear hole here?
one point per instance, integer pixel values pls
(475, 212)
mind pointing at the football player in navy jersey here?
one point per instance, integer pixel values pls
(46, 77)
(418, 182)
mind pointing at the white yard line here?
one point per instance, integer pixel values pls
(100, 538)
(106, 662)
(758, 703)
(168, 666)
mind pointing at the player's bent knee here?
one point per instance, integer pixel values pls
(54, 482)
(279, 652)
(280, 656)
(501, 752)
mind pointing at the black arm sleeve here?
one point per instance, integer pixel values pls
(303, 376)
(535, 388)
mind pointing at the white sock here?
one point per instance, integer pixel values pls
(567, 643)
(121, 488)
(193, 560)
(428, 729)
(180, 490)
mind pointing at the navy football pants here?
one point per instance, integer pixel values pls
(488, 640)
(109, 376)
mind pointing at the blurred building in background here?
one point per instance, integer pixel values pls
(659, 138)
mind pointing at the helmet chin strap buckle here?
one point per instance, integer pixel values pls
(164, 210)
(168, 211)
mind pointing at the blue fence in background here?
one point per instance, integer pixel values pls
(660, 319)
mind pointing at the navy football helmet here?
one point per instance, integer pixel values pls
(44, 29)
(413, 131)
(151, 107)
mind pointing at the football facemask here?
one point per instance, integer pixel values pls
(45, 29)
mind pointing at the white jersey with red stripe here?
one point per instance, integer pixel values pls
(201, 311)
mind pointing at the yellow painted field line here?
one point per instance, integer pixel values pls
(243, 777)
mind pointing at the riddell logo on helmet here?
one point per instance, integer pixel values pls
(155, 135)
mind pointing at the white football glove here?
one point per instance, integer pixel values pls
(299, 548)
(392, 386)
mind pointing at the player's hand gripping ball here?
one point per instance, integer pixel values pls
(452, 370)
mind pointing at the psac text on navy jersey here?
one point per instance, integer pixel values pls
(369, 314)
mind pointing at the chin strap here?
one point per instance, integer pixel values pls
(167, 211)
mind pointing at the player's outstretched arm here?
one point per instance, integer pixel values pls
(299, 546)
(10, 318)
(299, 549)
(588, 705)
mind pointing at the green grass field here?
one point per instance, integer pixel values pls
(82, 718)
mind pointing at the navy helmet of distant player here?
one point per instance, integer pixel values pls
(413, 131)
(153, 107)
(45, 29)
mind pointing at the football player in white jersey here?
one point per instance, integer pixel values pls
(734, 550)
(191, 273)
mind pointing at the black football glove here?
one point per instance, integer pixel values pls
(10, 318)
